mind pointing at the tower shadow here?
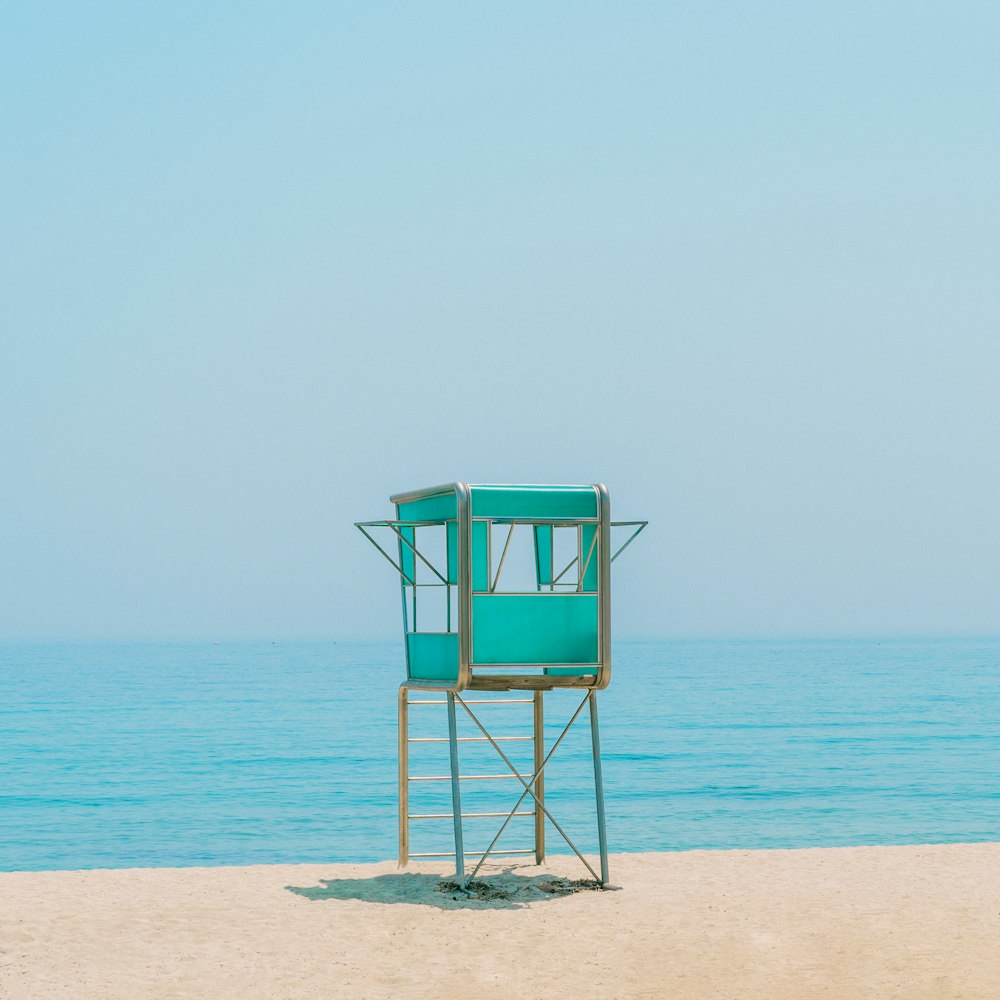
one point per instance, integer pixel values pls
(501, 891)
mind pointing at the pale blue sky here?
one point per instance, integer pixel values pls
(265, 263)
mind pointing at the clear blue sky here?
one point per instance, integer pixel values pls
(265, 263)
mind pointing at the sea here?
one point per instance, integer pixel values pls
(121, 755)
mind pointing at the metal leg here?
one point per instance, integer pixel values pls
(539, 742)
(404, 779)
(602, 834)
(456, 794)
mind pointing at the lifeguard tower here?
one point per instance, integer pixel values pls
(505, 590)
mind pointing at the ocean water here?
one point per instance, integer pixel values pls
(124, 755)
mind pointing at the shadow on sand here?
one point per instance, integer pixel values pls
(507, 891)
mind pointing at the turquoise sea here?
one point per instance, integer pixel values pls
(124, 755)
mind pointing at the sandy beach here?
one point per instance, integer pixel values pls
(911, 922)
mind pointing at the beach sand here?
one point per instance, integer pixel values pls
(910, 922)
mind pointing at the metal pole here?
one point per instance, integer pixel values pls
(539, 740)
(602, 834)
(456, 795)
(404, 779)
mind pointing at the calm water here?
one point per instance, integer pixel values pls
(192, 754)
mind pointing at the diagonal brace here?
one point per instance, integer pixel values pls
(392, 561)
(418, 553)
(529, 785)
(631, 538)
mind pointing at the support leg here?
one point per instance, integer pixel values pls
(456, 794)
(602, 835)
(539, 742)
(404, 779)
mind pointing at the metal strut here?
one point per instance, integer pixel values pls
(456, 791)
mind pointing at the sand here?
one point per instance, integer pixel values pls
(913, 922)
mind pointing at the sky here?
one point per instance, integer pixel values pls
(264, 264)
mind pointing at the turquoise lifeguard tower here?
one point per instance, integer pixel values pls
(505, 588)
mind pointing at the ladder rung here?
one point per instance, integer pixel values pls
(500, 701)
(479, 701)
(469, 739)
(472, 854)
(469, 777)
(464, 815)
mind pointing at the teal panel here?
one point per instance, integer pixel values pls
(436, 508)
(534, 628)
(433, 656)
(452, 573)
(407, 559)
(569, 671)
(534, 501)
(480, 556)
(587, 537)
(543, 554)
